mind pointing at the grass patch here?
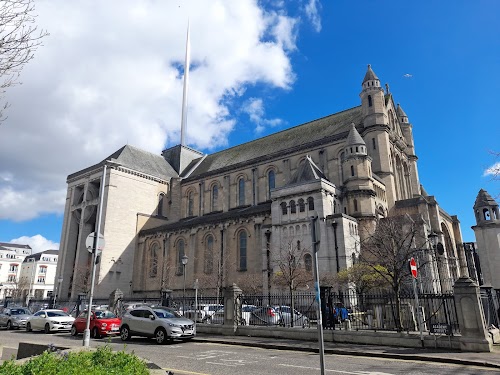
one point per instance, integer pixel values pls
(102, 361)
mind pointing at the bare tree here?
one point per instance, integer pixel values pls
(19, 39)
(394, 241)
(363, 276)
(82, 279)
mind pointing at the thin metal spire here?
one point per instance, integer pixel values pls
(185, 90)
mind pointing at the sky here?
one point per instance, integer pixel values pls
(110, 74)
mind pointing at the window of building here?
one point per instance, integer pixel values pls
(11, 278)
(190, 204)
(293, 207)
(271, 181)
(374, 144)
(13, 267)
(352, 170)
(284, 209)
(355, 202)
(302, 205)
(308, 264)
(153, 259)
(41, 280)
(180, 254)
(161, 201)
(369, 100)
(209, 254)
(11, 256)
(310, 202)
(241, 192)
(42, 269)
(215, 198)
(242, 250)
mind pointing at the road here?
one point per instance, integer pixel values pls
(201, 358)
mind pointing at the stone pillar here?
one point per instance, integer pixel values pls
(232, 306)
(470, 316)
(115, 296)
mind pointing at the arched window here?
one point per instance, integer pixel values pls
(369, 101)
(284, 210)
(486, 214)
(271, 180)
(302, 205)
(153, 259)
(215, 198)
(308, 263)
(352, 170)
(310, 202)
(241, 191)
(242, 250)
(293, 208)
(161, 201)
(209, 255)
(190, 204)
(355, 202)
(180, 254)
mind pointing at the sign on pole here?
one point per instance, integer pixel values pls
(89, 242)
(413, 268)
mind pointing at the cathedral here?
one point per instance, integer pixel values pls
(226, 217)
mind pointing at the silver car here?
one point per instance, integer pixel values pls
(161, 323)
(14, 317)
(299, 319)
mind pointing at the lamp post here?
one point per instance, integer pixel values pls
(433, 238)
(59, 281)
(184, 262)
(31, 281)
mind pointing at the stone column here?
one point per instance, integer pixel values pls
(232, 306)
(115, 296)
(470, 316)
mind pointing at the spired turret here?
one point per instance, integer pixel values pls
(403, 118)
(372, 100)
(486, 209)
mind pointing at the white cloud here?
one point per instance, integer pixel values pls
(494, 170)
(254, 108)
(108, 75)
(312, 10)
(407, 75)
(37, 243)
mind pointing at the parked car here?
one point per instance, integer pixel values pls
(50, 320)
(299, 319)
(14, 317)
(266, 315)
(218, 316)
(102, 323)
(162, 323)
(246, 312)
(204, 311)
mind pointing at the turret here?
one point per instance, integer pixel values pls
(486, 209)
(373, 100)
(403, 118)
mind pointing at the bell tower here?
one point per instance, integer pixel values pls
(373, 100)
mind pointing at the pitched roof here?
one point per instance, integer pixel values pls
(400, 112)
(5, 245)
(354, 139)
(319, 131)
(138, 160)
(307, 171)
(370, 75)
(484, 199)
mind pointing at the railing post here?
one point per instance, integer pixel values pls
(232, 306)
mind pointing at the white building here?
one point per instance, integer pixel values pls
(38, 272)
(11, 259)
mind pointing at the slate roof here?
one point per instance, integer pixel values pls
(354, 139)
(7, 245)
(370, 75)
(138, 160)
(37, 256)
(319, 131)
(400, 112)
(484, 199)
(212, 218)
(307, 171)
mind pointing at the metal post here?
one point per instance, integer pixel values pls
(86, 333)
(184, 289)
(319, 318)
(419, 312)
(196, 286)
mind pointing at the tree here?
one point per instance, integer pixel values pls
(19, 39)
(81, 279)
(394, 241)
(363, 276)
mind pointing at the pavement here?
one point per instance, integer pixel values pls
(488, 360)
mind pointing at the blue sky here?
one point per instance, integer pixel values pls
(258, 68)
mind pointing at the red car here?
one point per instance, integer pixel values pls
(102, 323)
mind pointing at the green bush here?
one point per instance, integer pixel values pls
(102, 361)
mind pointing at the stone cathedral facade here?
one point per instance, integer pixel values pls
(231, 212)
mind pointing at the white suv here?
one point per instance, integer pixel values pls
(162, 323)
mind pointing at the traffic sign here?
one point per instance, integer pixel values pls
(89, 242)
(413, 268)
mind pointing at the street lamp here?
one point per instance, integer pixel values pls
(59, 281)
(433, 238)
(184, 262)
(31, 281)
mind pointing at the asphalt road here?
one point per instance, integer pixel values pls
(201, 358)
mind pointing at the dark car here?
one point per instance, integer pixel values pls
(14, 317)
(102, 323)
